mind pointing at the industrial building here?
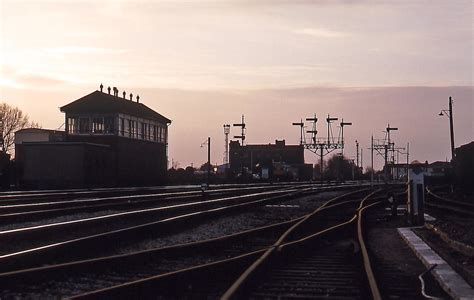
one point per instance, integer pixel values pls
(270, 161)
(108, 141)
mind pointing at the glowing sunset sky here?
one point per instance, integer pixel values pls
(204, 63)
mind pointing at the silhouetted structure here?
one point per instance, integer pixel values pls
(108, 140)
(464, 167)
(270, 161)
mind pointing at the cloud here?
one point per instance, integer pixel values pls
(12, 78)
(39, 81)
(320, 32)
(65, 50)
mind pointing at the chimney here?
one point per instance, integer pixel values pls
(124, 93)
(101, 87)
(131, 96)
(138, 99)
(108, 89)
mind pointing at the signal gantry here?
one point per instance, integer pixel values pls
(323, 145)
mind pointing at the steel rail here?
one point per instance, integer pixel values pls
(116, 291)
(40, 211)
(457, 207)
(455, 202)
(37, 253)
(374, 289)
(119, 292)
(317, 234)
(119, 199)
(23, 196)
(11, 210)
(58, 267)
(114, 259)
(32, 196)
(5, 234)
(39, 228)
(245, 276)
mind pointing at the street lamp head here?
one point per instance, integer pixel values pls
(440, 114)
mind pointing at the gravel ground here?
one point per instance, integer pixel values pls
(462, 264)
(100, 211)
(458, 229)
(261, 216)
(59, 234)
(63, 218)
(395, 265)
(457, 196)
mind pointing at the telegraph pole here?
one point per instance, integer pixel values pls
(208, 160)
(372, 164)
(449, 114)
(408, 158)
(321, 162)
(357, 153)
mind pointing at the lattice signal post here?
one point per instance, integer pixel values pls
(242, 138)
(322, 145)
(302, 136)
(386, 148)
(242, 135)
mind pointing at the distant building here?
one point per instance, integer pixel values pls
(434, 169)
(108, 140)
(270, 160)
(398, 171)
(438, 169)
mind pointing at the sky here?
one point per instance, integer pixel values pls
(204, 63)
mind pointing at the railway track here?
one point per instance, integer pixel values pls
(33, 245)
(212, 278)
(439, 203)
(41, 210)
(322, 264)
(38, 208)
(36, 196)
(121, 268)
(66, 241)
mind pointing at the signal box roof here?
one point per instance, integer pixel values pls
(99, 102)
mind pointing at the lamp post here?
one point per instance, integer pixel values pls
(449, 113)
(226, 153)
(208, 143)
